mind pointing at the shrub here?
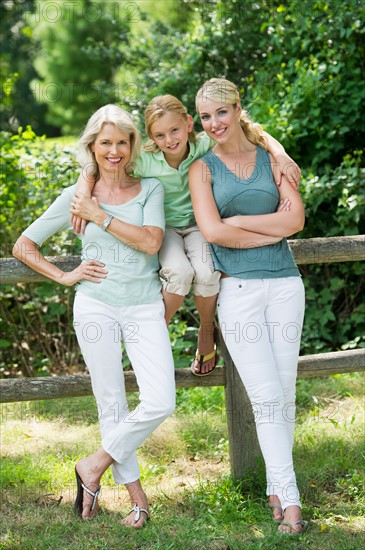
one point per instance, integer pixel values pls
(36, 319)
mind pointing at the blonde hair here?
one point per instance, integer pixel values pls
(156, 109)
(109, 114)
(221, 90)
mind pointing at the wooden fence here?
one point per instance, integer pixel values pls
(241, 427)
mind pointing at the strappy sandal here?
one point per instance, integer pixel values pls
(273, 506)
(81, 487)
(138, 511)
(204, 358)
(293, 531)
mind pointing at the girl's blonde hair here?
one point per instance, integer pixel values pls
(156, 109)
(221, 90)
(109, 114)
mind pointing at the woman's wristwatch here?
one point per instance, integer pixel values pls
(104, 226)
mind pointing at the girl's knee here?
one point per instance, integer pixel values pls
(177, 281)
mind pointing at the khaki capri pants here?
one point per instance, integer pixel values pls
(186, 261)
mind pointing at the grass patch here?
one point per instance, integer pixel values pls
(185, 471)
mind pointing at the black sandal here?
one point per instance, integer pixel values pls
(204, 358)
(81, 487)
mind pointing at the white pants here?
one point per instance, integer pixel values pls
(186, 261)
(100, 328)
(261, 322)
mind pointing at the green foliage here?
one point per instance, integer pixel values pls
(73, 37)
(31, 172)
(299, 66)
(200, 400)
(309, 83)
(36, 320)
(336, 196)
(334, 307)
(18, 105)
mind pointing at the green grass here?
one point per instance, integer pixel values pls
(195, 504)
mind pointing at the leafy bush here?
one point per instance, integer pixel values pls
(299, 66)
(36, 319)
(32, 174)
(334, 306)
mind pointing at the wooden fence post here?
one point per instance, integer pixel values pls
(244, 448)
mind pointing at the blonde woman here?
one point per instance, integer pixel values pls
(118, 298)
(261, 298)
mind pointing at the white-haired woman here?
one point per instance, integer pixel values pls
(261, 299)
(118, 298)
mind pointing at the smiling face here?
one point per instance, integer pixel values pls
(171, 134)
(112, 148)
(219, 120)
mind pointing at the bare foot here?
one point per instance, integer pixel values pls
(206, 346)
(136, 517)
(139, 513)
(90, 469)
(292, 521)
(275, 505)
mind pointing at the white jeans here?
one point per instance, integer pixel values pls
(261, 322)
(100, 328)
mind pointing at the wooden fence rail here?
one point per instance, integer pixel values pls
(241, 427)
(306, 251)
(79, 385)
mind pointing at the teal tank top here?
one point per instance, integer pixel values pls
(257, 194)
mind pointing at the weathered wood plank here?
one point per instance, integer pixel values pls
(79, 385)
(306, 251)
(336, 362)
(328, 250)
(57, 387)
(13, 271)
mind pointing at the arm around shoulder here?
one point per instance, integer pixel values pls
(283, 166)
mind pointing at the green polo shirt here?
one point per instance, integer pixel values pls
(178, 207)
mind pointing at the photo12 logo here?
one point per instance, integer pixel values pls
(91, 12)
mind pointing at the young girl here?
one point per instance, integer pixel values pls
(185, 257)
(261, 298)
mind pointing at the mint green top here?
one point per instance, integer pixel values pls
(255, 195)
(178, 206)
(132, 277)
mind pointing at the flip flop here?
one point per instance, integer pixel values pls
(277, 507)
(138, 511)
(293, 531)
(204, 358)
(81, 487)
